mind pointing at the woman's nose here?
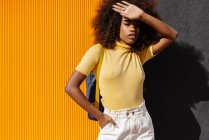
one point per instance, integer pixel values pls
(132, 28)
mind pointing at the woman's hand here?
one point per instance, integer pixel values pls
(104, 120)
(128, 10)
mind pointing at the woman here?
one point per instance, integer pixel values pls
(131, 33)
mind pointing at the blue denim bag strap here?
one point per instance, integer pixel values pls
(92, 87)
(97, 78)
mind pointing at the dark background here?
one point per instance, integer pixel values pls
(177, 80)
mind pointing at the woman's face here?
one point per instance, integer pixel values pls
(129, 31)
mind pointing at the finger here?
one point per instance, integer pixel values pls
(123, 14)
(128, 4)
(118, 7)
(114, 123)
(122, 5)
(117, 10)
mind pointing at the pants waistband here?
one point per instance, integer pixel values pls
(139, 110)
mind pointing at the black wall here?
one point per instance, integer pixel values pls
(177, 80)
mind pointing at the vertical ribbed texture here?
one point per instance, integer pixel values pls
(41, 42)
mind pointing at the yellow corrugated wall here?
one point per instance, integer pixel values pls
(41, 42)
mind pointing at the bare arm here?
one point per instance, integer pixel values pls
(73, 90)
(133, 12)
(168, 33)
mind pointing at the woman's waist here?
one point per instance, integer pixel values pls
(119, 105)
(137, 110)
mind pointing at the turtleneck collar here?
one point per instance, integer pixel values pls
(121, 45)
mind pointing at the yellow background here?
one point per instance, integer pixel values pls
(41, 42)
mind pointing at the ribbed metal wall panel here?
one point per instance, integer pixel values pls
(41, 42)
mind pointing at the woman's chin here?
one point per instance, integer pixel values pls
(128, 41)
(131, 42)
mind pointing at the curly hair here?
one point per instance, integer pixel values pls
(106, 24)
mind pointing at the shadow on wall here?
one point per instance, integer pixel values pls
(175, 81)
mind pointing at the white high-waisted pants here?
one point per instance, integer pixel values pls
(133, 124)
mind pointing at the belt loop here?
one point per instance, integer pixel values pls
(116, 116)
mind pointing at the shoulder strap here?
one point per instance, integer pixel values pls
(97, 77)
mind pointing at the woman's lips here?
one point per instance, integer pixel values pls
(132, 36)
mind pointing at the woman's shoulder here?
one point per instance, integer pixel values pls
(96, 48)
(94, 51)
